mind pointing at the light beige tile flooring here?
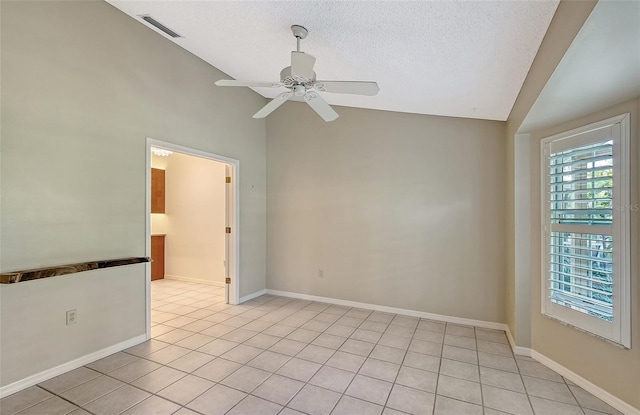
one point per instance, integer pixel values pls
(276, 355)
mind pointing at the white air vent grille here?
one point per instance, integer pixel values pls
(153, 22)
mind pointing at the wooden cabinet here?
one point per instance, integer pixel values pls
(157, 191)
(157, 241)
(157, 257)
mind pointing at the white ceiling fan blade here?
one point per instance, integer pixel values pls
(320, 106)
(273, 105)
(233, 82)
(302, 64)
(348, 87)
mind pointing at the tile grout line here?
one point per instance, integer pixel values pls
(155, 394)
(291, 357)
(475, 335)
(574, 395)
(272, 373)
(368, 356)
(356, 328)
(243, 365)
(336, 350)
(400, 368)
(526, 391)
(375, 343)
(290, 308)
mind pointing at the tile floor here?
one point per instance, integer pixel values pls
(275, 355)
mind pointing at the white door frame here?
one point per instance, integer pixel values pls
(234, 214)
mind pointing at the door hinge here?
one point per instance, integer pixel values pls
(228, 180)
(228, 230)
(227, 280)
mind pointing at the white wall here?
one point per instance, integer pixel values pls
(194, 218)
(399, 210)
(83, 85)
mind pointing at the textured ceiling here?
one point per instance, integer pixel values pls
(452, 58)
(600, 69)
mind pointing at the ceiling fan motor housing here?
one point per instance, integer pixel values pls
(291, 81)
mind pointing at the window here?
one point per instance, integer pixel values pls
(585, 232)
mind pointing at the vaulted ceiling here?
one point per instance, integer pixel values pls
(451, 58)
(600, 69)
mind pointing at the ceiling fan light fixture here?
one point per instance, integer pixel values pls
(161, 152)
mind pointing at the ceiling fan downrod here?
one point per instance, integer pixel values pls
(300, 33)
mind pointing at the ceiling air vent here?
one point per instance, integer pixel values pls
(158, 25)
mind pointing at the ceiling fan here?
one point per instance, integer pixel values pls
(300, 80)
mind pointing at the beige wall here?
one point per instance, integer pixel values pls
(612, 368)
(34, 337)
(195, 217)
(565, 25)
(398, 209)
(615, 370)
(83, 85)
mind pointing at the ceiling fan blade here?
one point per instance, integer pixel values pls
(348, 87)
(320, 106)
(233, 82)
(302, 64)
(273, 105)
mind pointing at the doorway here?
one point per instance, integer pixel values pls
(223, 217)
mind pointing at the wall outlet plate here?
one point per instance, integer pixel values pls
(72, 317)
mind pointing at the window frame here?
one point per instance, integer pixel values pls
(618, 130)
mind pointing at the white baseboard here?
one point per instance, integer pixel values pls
(196, 280)
(519, 350)
(65, 367)
(593, 389)
(393, 310)
(252, 296)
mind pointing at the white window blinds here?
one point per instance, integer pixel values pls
(585, 231)
(581, 188)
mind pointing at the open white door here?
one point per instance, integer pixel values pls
(227, 234)
(231, 212)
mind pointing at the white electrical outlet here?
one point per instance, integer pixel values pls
(72, 317)
(320, 273)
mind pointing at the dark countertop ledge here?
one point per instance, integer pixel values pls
(56, 271)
